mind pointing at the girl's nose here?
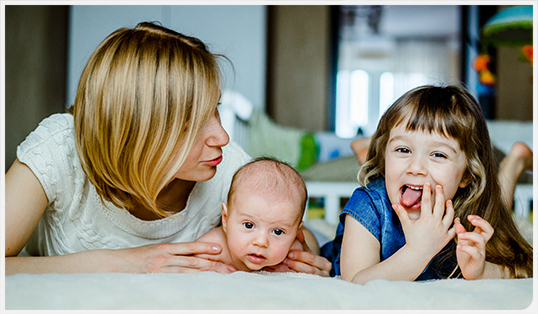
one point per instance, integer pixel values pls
(417, 166)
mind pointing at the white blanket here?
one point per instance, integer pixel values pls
(240, 290)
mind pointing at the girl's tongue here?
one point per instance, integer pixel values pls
(410, 197)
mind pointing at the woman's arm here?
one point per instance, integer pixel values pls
(308, 261)
(360, 260)
(25, 203)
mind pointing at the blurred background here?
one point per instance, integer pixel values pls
(318, 68)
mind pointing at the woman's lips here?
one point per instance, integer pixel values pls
(215, 161)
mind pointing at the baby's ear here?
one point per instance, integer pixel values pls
(224, 216)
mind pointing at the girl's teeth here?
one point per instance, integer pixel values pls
(415, 187)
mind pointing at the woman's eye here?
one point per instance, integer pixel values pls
(278, 232)
(248, 225)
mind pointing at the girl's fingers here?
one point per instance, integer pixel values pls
(402, 214)
(472, 251)
(458, 226)
(439, 208)
(426, 203)
(472, 239)
(481, 226)
(449, 214)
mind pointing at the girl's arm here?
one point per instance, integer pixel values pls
(25, 203)
(424, 238)
(360, 260)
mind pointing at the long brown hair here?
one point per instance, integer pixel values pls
(453, 112)
(142, 100)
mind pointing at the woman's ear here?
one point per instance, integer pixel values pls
(224, 216)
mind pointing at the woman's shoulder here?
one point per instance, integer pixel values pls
(54, 130)
(50, 152)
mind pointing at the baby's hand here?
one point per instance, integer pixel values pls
(471, 249)
(431, 231)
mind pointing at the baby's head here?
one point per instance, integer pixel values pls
(263, 213)
(451, 114)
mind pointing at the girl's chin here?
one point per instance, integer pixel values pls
(413, 214)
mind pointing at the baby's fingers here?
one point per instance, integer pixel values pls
(481, 226)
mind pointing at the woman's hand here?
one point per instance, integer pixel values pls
(306, 261)
(431, 231)
(471, 249)
(171, 258)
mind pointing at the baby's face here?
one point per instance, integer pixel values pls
(260, 233)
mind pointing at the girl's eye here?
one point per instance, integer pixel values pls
(439, 155)
(403, 150)
(248, 225)
(278, 232)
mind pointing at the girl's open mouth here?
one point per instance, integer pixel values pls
(410, 197)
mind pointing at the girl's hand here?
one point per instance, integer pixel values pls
(430, 232)
(471, 249)
(172, 258)
(306, 261)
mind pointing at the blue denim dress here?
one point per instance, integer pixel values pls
(371, 207)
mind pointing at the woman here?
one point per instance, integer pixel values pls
(136, 173)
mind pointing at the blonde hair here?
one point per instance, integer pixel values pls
(270, 178)
(142, 100)
(454, 113)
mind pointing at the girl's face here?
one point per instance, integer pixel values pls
(415, 157)
(206, 154)
(260, 233)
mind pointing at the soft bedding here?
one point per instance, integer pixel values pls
(248, 291)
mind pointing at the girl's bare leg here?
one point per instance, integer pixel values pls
(518, 160)
(360, 148)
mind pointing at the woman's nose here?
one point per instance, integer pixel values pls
(218, 136)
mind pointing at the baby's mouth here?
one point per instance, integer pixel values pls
(256, 259)
(411, 196)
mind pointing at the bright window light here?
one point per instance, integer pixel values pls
(359, 98)
(386, 91)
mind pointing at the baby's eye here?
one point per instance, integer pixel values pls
(278, 232)
(248, 225)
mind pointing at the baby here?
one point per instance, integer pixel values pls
(262, 217)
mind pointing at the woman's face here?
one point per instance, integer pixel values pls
(206, 154)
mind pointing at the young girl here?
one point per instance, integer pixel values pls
(430, 160)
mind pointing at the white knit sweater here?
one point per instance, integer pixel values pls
(76, 220)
